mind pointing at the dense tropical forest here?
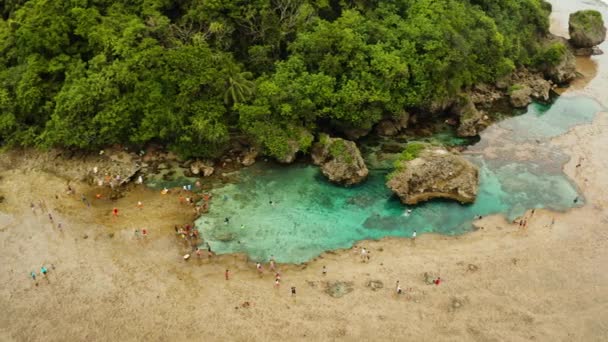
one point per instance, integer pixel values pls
(189, 74)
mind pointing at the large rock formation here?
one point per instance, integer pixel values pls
(526, 86)
(564, 70)
(471, 120)
(340, 160)
(586, 29)
(426, 172)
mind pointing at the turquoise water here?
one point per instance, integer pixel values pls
(308, 215)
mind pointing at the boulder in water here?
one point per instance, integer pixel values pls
(340, 160)
(425, 172)
(586, 29)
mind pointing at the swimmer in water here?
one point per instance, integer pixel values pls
(226, 220)
(407, 212)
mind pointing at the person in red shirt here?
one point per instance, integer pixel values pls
(115, 211)
(438, 281)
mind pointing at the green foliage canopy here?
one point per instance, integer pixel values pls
(188, 74)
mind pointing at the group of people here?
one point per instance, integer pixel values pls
(43, 272)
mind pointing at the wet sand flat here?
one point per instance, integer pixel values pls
(546, 282)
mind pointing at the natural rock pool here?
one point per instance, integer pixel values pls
(519, 170)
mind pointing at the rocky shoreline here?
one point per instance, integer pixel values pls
(340, 159)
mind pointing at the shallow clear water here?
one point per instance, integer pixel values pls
(308, 215)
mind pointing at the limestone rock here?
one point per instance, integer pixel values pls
(199, 166)
(340, 160)
(386, 128)
(565, 70)
(485, 95)
(527, 86)
(248, 158)
(471, 120)
(586, 29)
(592, 51)
(294, 146)
(393, 125)
(520, 97)
(433, 172)
(353, 133)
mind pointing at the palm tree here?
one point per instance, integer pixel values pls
(238, 85)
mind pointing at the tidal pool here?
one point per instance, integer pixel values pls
(293, 213)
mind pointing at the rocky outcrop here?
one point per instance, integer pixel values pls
(586, 29)
(202, 167)
(114, 168)
(526, 86)
(340, 160)
(393, 125)
(429, 172)
(296, 145)
(563, 70)
(484, 95)
(471, 120)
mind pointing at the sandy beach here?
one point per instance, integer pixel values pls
(545, 282)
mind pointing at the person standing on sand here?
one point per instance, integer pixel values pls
(44, 271)
(140, 205)
(293, 291)
(324, 271)
(199, 253)
(277, 276)
(84, 200)
(259, 268)
(115, 212)
(272, 264)
(277, 283)
(33, 275)
(414, 235)
(51, 217)
(363, 254)
(437, 281)
(227, 274)
(398, 288)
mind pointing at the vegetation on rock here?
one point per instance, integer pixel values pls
(188, 74)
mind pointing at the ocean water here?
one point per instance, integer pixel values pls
(293, 213)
